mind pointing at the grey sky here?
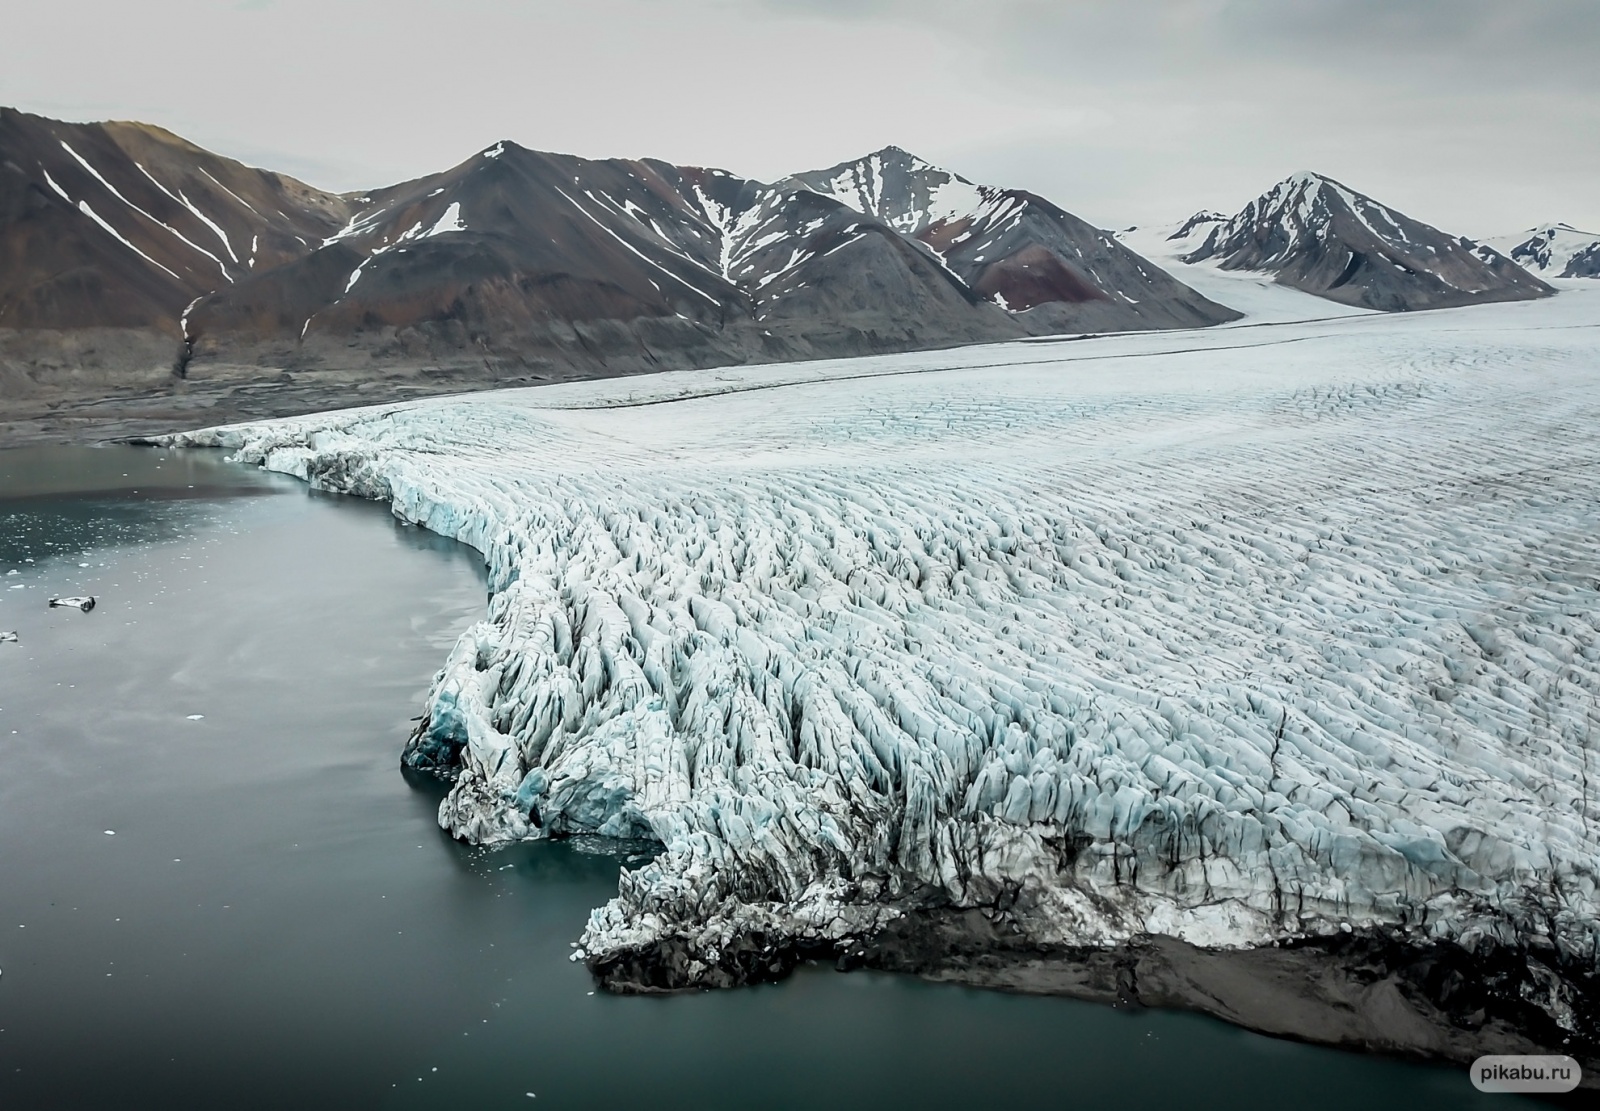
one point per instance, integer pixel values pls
(1480, 116)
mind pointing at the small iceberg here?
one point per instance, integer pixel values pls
(85, 603)
(8, 638)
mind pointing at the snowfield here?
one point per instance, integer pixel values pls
(1265, 631)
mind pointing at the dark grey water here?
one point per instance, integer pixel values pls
(277, 921)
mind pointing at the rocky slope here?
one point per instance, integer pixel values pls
(123, 225)
(1319, 236)
(128, 255)
(108, 232)
(1055, 272)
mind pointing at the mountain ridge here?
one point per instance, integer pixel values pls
(1555, 249)
(1321, 236)
(524, 264)
(133, 262)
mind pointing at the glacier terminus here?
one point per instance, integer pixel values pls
(1137, 667)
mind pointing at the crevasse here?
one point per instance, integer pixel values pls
(1227, 648)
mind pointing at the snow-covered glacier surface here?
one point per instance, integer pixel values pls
(1231, 636)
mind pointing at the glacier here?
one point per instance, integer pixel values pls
(1235, 638)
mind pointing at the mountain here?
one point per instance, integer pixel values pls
(1200, 221)
(123, 224)
(127, 253)
(1051, 269)
(551, 261)
(1324, 238)
(1553, 250)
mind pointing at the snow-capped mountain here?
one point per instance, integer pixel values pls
(562, 263)
(1200, 221)
(580, 262)
(549, 263)
(1322, 237)
(1015, 248)
(1552, 250)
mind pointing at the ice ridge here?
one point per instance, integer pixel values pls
(1247, 652)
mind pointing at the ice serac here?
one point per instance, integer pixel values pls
(1228, 649)
(1317, 235)
(1052, 270)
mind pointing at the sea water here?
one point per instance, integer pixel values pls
(219, 889)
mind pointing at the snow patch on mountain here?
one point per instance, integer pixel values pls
(84, 207)
(1554, 250)
(448, 222)
(935, 194)
(115, 192)
(1201, 221)
(362, 223)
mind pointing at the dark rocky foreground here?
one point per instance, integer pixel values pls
(1362, 991)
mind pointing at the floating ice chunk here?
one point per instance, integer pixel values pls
(82, 602)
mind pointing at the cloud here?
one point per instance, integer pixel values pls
(1476, 113)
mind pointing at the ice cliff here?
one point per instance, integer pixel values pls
(1231, 638)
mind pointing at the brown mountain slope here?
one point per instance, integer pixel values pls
(122, 224)
(135, 263)
(552, 264)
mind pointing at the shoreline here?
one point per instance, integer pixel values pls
(214, 395)
(1101, 976)
(752, 821)
(1368, 991)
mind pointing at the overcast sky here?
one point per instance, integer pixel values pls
(1479, 116)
